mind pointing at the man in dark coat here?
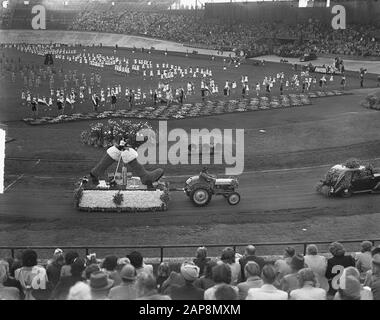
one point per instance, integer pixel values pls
(249, 255)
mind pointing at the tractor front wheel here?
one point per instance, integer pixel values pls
(233, 198)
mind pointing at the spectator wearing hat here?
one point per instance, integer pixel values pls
(307, 287)
(32, 277)
(137, 261)
(57, 252)
(252, 274)
(100, 285)
(90, 269)
(206, 281)
(163, 273)
(62, 288)
(365, 292)
(188, 291)
(318, 264)
(201, 259)
(126, 290)
(349, 288)
(146, 287)
(267, 291)
(373, 275)
(221, 274)
(80, 291)
(250, 255)
(174, 279)
(7, 293)
(228, 257)
(364, 259)
(283, 265)
(109, 266)
(69, 259)
(340, 261)
(290, 281)
(121, 262)
(54, 267)
(91, 259)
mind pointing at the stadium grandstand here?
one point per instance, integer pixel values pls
(78, 273)
(258, 28)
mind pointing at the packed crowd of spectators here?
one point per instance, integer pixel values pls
(259, 37)
(5, 18)
(185, 28)
(196, 30)
(316, 37)
(68, 276)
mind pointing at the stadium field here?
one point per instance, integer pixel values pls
(288, 150)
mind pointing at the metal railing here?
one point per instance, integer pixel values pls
(177, 246)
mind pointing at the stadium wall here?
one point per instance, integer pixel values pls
(358, 12)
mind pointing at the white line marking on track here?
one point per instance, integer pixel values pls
(20, 177)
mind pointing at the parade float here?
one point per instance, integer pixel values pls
(120, 190)
(132, 188)
(128, 196)
(372, 101)
(350, 178)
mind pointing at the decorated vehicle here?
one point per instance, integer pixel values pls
(308, 57)
(350, 178)
(122, 192)
(202, 187)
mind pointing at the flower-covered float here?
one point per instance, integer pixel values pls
(350, 178)
(120, 191)
(372, 101)
(131, 196)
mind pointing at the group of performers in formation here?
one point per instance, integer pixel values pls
(75, 88)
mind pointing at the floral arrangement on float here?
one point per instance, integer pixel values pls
(122, 199)
(103, 135)
(372, 101)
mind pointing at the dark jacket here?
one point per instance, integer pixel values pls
(186, 292)
(204, 283)
(342, 261)
(201, 264)
(11, 282)
(375, 288)
(53, 272)
(244, 260)
(62, 289)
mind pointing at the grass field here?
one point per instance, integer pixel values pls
(328, 123)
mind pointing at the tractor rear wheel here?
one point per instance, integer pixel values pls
(201, 196)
